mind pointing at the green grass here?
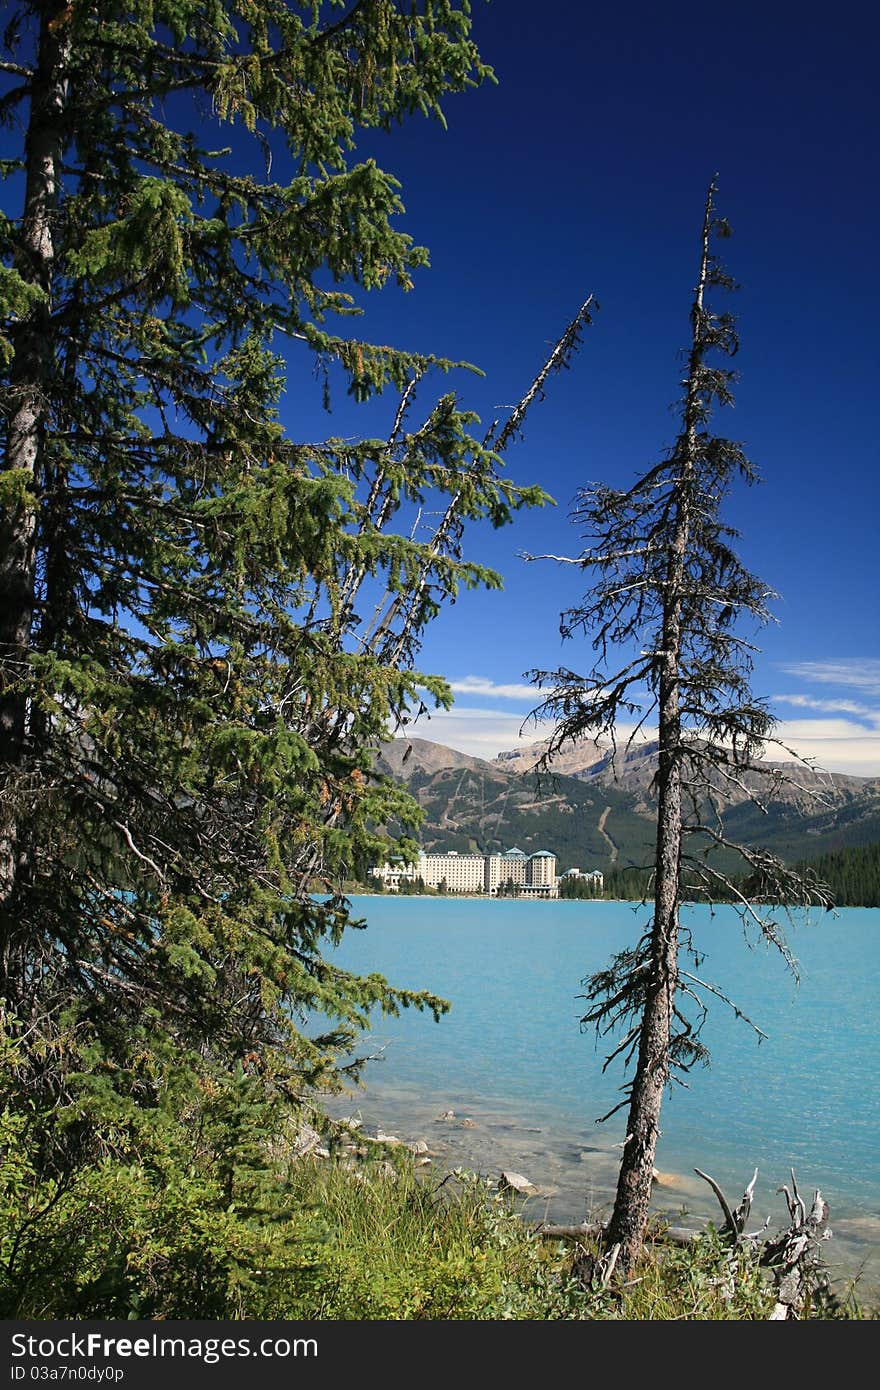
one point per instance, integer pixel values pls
(339, 1239)
(392, 1245)
(388, 1245)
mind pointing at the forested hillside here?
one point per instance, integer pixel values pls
(853, 875)
(599, 818)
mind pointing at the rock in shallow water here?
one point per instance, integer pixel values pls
(515, 1182)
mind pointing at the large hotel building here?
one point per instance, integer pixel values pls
(529, 875)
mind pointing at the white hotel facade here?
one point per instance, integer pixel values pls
(532, 875)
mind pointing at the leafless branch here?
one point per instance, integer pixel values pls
(557, 360)
(703, 984)
(144, 858)
(729, 1223)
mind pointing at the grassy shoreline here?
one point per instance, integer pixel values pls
(399, 1245)
(488, 1142)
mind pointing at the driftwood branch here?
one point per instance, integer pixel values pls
(794, 1257)
(729, 1223)
(594, 1230)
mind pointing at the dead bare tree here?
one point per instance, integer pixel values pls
(664, 613)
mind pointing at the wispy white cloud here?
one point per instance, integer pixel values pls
(836, 745)
(483, 733)
(871, 713)
(848, 738)
(844, 735)
(480, 685)
(533, 695)
(848, 672)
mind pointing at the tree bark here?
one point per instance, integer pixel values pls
(30, 376)
(630, 1215)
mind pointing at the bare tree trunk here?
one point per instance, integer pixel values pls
(29, 381)
(629, 1217)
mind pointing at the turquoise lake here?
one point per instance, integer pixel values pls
(526, 1085)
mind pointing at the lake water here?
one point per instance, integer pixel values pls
(526, 1085)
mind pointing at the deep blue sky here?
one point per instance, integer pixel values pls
(586, 169)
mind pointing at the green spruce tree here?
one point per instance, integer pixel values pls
(207, 625)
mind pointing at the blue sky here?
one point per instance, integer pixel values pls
(585, 169)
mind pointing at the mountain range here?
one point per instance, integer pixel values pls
(596, 810)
